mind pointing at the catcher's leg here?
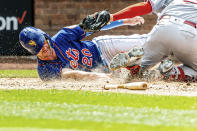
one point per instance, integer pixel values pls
(126, 59)
(177, 73)
(160, 72)
(166, 66)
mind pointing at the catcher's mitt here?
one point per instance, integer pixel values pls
(94, 22)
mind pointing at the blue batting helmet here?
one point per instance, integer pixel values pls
(33, 39)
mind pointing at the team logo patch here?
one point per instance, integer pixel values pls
(32, 43)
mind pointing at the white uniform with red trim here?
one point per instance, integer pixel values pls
(175, 33)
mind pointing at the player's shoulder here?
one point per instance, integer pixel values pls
(74, 28)
(71, 27)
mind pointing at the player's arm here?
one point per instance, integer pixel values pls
(132, 11)
(98, 20)
(73, 32)
(131, 22)
(82, 75)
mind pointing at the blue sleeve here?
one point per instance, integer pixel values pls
(81, 34)
(74, 32)
(113, 24)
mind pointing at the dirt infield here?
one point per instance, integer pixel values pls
(17, 62)
(154, 87)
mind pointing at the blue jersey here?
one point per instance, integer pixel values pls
(70, 50)
(73, 52)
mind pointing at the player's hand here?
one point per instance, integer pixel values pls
(134, 21)
(94, 22)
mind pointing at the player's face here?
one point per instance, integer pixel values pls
(47, 53)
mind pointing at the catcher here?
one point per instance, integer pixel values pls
(175, 33)
(66, 50)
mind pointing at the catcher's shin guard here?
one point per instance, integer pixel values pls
(165, 66)
(134, 70)
(174, 73)
(126, 59)
(178, 74)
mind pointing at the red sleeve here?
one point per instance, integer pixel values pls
(133, 10)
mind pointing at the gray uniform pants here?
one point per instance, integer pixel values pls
(112, 45)
(172, 36)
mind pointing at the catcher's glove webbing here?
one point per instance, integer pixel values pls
(94, 22)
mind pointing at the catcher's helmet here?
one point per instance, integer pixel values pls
(33, 39)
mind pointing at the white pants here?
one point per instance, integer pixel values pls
(112, 45)
(171, 37)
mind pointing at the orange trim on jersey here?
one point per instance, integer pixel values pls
(44, 64)
(69, 60)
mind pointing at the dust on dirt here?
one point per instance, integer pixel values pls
(154, 87)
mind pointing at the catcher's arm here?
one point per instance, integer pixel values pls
(131, 11)
(96, 21)
(131, 22)
(111, 25)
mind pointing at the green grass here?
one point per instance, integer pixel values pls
(18, 74)
(59, 110)
(81, 110)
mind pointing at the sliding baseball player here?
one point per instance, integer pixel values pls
(67, 50)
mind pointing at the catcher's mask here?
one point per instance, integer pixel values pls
(33, 39)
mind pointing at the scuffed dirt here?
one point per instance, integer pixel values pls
(156, 88)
